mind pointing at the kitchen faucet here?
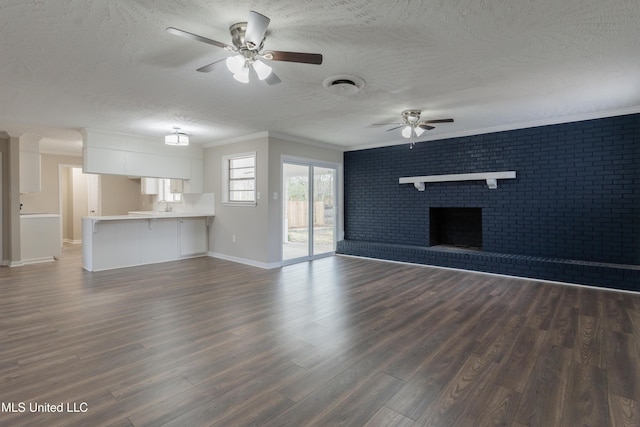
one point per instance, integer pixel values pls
(167, 208)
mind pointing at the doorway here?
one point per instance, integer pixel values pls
(79, 196)
(309, 210)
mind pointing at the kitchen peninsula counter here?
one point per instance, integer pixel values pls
(143, 237)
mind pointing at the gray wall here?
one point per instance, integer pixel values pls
(258, 229)
(248, 223)
(48, 200)
(120, 195)
(9, 146)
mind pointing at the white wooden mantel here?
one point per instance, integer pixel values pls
(491, 178)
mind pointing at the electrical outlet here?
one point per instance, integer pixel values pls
(233, 238)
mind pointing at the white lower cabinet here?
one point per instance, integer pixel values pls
(193, 236)
(159, 240)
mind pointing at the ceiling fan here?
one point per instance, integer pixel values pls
(412, 126)
(248, 41)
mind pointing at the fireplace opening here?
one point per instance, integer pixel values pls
(456, 227)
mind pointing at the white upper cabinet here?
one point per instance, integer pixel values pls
(149, 185)
(176, 186)
(196, 183)
(118, 154)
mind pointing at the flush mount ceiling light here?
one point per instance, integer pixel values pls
(177, 138)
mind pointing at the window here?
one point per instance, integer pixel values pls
(240, 179)
(165, 193)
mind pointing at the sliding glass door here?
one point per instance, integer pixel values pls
(309, 210)
(296, 198)
(323, 234)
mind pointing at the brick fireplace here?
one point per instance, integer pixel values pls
(570, 215)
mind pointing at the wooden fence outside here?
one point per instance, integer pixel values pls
(298, 214)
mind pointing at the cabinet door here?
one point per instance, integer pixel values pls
(195, 183)
(149, 185)
(175, 185)
(193, 236)
(159, 240)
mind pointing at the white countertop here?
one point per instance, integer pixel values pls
(136, 215)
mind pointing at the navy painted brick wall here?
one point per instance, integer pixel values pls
(576, 196)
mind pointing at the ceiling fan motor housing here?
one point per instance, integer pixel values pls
(238, 31)
(411, 116)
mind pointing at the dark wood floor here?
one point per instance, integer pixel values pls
(339, 341)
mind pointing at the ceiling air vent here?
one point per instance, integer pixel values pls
(343, 85)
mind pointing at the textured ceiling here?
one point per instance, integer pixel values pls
(489, 64)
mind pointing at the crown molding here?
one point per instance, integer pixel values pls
(510, 126)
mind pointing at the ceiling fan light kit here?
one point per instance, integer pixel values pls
(412, 132)
(242, 76)
(240, 68)
(412, 126)
(177, 138)
(406, 132)
(235, 63)
(261, 69)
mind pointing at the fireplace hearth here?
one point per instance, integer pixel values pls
(456, 227)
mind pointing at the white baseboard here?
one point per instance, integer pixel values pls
(31, 261)
(266, 266)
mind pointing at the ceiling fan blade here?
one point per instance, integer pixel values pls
(256, 29)
(188, 35)
(397, 127)
(272, 79)
(208, 68)
(439, 121)
(425, 126)
(384, 124)
(305, 58)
